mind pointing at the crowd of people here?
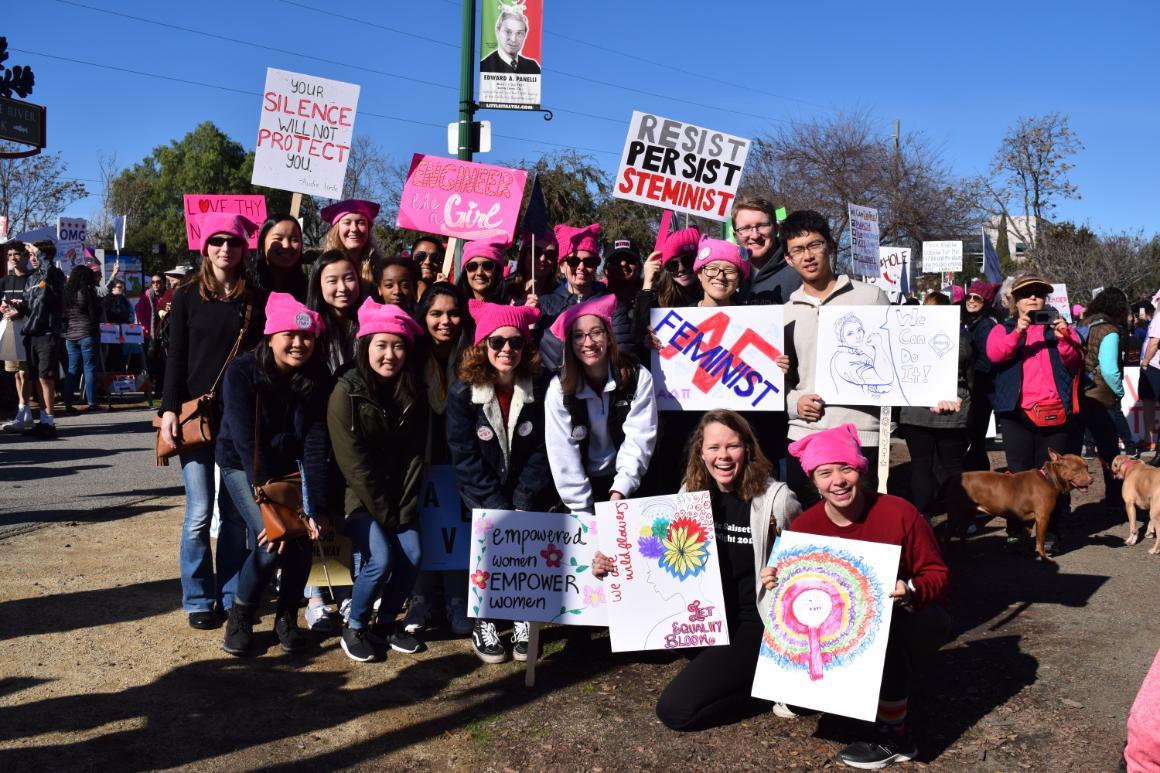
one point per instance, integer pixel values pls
(352, 373)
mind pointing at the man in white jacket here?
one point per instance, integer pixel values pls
(809, 248)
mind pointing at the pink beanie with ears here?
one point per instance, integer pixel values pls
(601, 306)
(386, 318)
(333, 213)
(710, 250)
(572, 240)
(492, 251)
(284, 314)
(678, 243)
(213, 223)
(490, 317)
(840, 444)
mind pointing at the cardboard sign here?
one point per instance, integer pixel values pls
(130, 271)
(123, 383)
(333, 567)
(827, 624)
(1058, 299)
(461, 198)
(892, 261)
(680, 166)
(132, 334)
(511, 54)
(718, 358)
(304, 133)
(887, 355)
(12, 340)
(444, 523)
(110, 332)
(665, 590)
(536, 567)
(940, 257)
(71, 229)
(70, 254)
(864, 240)
(252, 206)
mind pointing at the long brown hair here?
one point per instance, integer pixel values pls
(758, 469)
(476, 369)
(365, 263)
(210, 289)
(572, 374)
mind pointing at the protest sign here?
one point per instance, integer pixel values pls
(864, 240)
(511, 54)
(887, 355)
(1058, 299)
(534, 566)
(680, 166)
(939, 257)
(664, 591)
(461, 198)
(119, 223)
(71, 229)
(444, 523)
(827, 624)
(12, 340)
(304, 133)
(1133, 408)
(718, 358)
(110, 332)
(132, 334)
(892, 261)
(129, 271)
(336, 551)
(252, 206)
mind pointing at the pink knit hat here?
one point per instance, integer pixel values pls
(984, 290)
(212, 223)
(284, 314)
(1077, 311)
(492, 251)
(572, 240)
(386, 318)
(490, 317)
(957, 294)
(601, 306)
(840, 444)
(334, 212)
(710, 250)
(679, 242)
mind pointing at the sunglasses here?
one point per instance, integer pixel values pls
(479, 265)
(496, 343)
(673, 265)
(589, 263)
(232, 241)
(1030, 294)
(421, 256)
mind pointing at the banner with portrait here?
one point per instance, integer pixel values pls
(510, 54)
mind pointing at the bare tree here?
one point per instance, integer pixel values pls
(1085, 260)
(34, 190)
(100, 233)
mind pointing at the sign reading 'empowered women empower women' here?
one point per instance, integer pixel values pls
(718, 358)
(679, 166)
(461, 198)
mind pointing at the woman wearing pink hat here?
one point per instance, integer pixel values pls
(495, 427)
(352, 230)
(273, 425)
(920, 624)
(212, 316)
(721, 268)
(481, 271)
(377, 417)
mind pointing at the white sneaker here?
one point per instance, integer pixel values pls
(318, 618)
(783, 711)
(418, 617)
(344, 611)
(16, 425)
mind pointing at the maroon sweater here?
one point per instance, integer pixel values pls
(891, 520)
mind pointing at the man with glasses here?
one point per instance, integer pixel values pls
(755, 228)
(809, 249)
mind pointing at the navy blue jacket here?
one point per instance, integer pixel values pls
(1008, 377)
(556, 303)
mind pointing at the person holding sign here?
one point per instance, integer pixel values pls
(835, 464)
(809, 249)
(377, 417)
(601, 413)
(539, 271)
(352, 224)
(495, 427)
(720, 267)
(273, 426)
(750, 508)
(669, 281)
(773, 280)
(280, 256)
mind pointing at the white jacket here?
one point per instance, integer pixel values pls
(627, 464)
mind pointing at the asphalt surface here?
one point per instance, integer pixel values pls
(100, 465)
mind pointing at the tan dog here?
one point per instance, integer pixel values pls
(1027, 497)
(1141, 489)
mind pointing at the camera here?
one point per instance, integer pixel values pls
(1044, 316)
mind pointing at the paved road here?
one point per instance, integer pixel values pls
(100, 466)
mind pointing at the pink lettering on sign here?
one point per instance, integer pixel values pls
(461, 199)
(248, 205)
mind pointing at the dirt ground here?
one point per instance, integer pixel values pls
(98, 670)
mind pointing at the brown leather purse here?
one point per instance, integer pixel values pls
(198, 417)
(279, 499)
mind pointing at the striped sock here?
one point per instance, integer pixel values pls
(892, 715)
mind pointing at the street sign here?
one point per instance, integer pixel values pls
(22, 122)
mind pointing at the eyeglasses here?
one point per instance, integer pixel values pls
(727, 272)
(422, 256)
(596, 336)
(496, 343)
(589, 263)
(232, 241)
(748, 229)
(480, 265)
(674, 265)
(814, 248)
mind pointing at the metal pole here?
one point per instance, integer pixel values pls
(467, 80)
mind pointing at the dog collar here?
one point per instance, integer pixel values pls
(1127, 466)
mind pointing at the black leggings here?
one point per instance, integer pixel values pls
(913, 636)
(936, 454)
(1097, 419)
(978, 417)
(715, 678)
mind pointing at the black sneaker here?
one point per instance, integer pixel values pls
(520, 641)
(41, 431)
(485, 641)
(888, 748)
(204, 621)
(401, 641)
(239, 629)
(290, 636)
(356, 645)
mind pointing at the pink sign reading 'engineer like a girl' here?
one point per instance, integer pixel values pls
(461, 198)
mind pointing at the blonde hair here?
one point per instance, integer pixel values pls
(365, 262)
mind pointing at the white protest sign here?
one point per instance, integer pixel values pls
(444, 523)
(665, 589)
(718, 358)
(304, 133)
(333, 558)
(119, 232)
(827, 624)
(535, 567)
(71, 229)
(864, 240)
(891, 263)
(1058, 299)
(1133, 407)
(680, 166)
(940, 257)
(887, 355)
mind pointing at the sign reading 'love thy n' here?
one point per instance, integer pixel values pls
(461, 198)
(251, 206)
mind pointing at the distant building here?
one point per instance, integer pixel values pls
(1021, 231)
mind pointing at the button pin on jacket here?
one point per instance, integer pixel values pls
(485, 434)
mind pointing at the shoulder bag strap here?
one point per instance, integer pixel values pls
(233, 352)
(257, 434)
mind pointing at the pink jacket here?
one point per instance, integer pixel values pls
(1143, 751)
(1038, 381)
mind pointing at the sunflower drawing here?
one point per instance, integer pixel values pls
(686, 549)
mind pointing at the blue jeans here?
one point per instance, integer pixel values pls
(259, 567)
(84, 351)
(390, 564)
(199, 591)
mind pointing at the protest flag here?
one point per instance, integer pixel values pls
(536, 215)
(904, 276)
(991, 268)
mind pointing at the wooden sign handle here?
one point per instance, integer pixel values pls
(883, 447)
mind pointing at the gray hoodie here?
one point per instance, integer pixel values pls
(773, 282)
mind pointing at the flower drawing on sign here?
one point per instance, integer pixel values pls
(552, 555)
(686, 549)
(479, 578)
(593, 597)
(482, 526)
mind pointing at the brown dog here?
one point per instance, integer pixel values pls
(1027, 497)
(1141, 489)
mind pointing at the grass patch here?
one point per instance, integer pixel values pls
(479, 729)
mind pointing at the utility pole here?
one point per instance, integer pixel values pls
(467, 80)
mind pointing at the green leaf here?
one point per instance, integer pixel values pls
(475, 609)
(575, 611)
(563, 610)
(572, 561)
(580, 569)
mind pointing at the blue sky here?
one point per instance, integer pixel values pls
(961, 73)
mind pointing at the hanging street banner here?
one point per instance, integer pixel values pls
(892, 261)
(680, 166)
(864, 240)
(304, 133)
(461, 198)
(249, 205)
(510, 51)
(941, 257)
